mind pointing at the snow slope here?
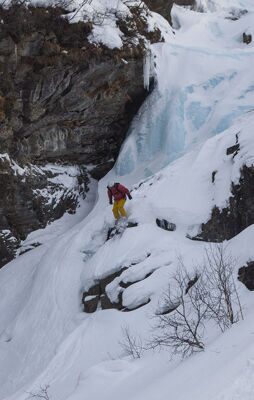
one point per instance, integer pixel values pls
(45, 338)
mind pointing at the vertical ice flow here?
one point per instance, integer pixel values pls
(187, 106)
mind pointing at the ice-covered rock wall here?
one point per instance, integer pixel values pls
(201, 90)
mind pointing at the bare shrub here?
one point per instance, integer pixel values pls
(131, 344)
(210, 294)
(42, 394)
(183, 328)
(219, 291)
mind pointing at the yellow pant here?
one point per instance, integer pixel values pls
(118, 209)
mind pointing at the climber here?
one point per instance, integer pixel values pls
(118, 192)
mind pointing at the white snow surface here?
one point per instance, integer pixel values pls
(204, 98)
(103, 14)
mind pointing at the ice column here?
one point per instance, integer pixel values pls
(147, 68)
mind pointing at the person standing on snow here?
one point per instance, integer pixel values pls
(118, 192)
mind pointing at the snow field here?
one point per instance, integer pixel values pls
(45, 338)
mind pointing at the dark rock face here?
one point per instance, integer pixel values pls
(91, 304)
(8, 246)
(65, 101)
(166, 225)
(99, 295)
(118, 230)
(24, 206)
(63, 98)
(247, 39)
(230, 221)
(233, 149)
(32, 197)
(164, 7)
(191, 283)
(246, 275)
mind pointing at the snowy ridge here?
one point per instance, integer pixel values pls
(104, 16)
(46, 339)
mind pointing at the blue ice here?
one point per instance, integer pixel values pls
(213, 82)
(197, 113)
(228, 119)
(158, 130)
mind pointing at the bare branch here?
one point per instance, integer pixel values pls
(131, 344)
(41, 394)
(182, 329)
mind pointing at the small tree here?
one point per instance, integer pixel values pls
(219, 291)
(131, 344)
(210, 295)
(181, 329)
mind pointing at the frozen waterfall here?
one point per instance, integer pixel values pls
(199, 94)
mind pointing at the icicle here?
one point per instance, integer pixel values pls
(147, 69)
(16, 54)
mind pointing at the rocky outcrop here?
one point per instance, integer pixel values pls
(63, 98)
(96, 296)
(32, 196)
(246, 275)
(107, 292)
(228, 222)
(119, 229)
(64, 101)
(164, 7)
(247, 38)
(166, 225)
(233, 150)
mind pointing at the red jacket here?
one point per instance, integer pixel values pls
(118, 192)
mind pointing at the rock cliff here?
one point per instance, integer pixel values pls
(63, 100)
(228, 222)
(164, 7)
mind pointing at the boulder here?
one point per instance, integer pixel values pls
(90, 304)
(246, 275)
(164, 7)
(233, 149)
(247, 38)
(97, 293)
(107, 304)
(166, 225)
(118, 230)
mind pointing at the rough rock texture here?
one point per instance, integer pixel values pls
(61, 97)
(99, 296)
(118, 229)
(247, 39)
(164, 7)
(8, 246)
(246, 275)
(233, 149)
(238, 215)
(166, 225)
(63, 100)
(32, 196)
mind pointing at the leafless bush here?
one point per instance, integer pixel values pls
(219, 291)
(183, 328)
(131, 344)
(42, 394)
(210, 294)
